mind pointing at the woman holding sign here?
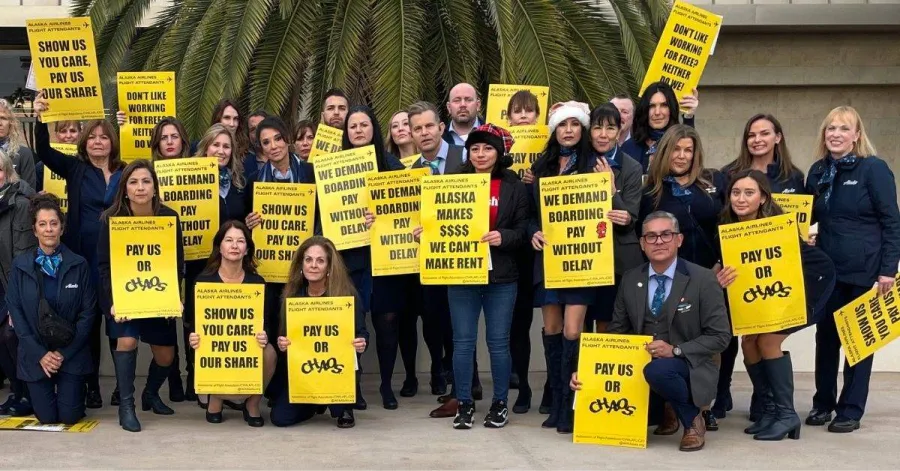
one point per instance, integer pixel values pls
(855, 206)
(137, 196)
(381, 293)
(304, 135)
(769, 367)
(232, 261)
(763, 148)
(568, 152)
(52, 278)
(91, 181)
(167, 141)
(657, 111)
(316, 270)
(488, 149)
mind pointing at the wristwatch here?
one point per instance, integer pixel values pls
(676, 351)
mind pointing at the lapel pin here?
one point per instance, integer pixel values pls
(640, 285)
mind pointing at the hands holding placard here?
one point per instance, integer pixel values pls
(359, 344)
(725, 275)
(689, 103)
(40, 105)
(884, 284)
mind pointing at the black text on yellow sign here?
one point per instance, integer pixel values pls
(343, 199)
(65, 66)
(768, 293)
(144, 264)
(455, 216)
(328, 140)
(146, 98)
(799, 204)
(529, 143)
(869, 323)
(611, 407)
(288, 212)
(321, 357)
(228, 318)
(394, 199)
(191, 187)
(575, 222)
(683, 48)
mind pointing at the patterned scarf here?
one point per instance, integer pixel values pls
(224, 181)
(678, 191)
(610, 157)
(49, 263)
(572, 154)
(655, 136)
(826, 182)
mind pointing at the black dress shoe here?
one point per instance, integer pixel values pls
(114, 398)
(4, 408)
(203, 405)
(410, 387)
(523, 402)
(346, 419)
(843, 425)
(233, 405)
(818, 417)
(709, 418)
(214, 417)
(21, 408)
(93, 399)
(438, 385)
(388, 399)
(361, 403)
(253, 421)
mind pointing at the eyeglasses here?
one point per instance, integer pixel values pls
(665, 237)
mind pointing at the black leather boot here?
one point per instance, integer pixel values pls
(780, 374)
(125, 363)
(150, 399)
(553, 350)
(569, 365)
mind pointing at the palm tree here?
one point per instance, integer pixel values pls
(282, 55)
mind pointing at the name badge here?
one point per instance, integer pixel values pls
(683, 307)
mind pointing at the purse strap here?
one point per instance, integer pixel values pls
(40, 283)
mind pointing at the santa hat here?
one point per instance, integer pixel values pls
(570, 109)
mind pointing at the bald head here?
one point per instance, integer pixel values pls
(463, 104)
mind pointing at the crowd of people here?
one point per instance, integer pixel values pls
(667, 207)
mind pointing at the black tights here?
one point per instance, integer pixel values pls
(94, 343)
(409, 342)
(387, 334)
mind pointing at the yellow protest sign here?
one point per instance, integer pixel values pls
(498, 102)
(321, 357)
(611, 407)
(65, 65)
(55, 184)
(394, 199)
(408, 161)
(455, 216)
(191, 188)
(228, 317)
(328, 140)
(575, 221)
(144, 264)
(801, 205)
(32, 424)
(683, 48)
(288, 212)
(146, 98)
(768, 294)
(343, 200)
(528, 144)
(869, 323)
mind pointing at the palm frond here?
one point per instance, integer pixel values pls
(540, 48)
(398, 26)
(500, 13)
(638, 41)
(80, 7)
(659, 14)
(199, 76)
(251, 21)
(452, 44)
(123, 31)
(170, 51)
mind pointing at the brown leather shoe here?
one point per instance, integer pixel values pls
(695, 437)
(669, 424)
(447, 409)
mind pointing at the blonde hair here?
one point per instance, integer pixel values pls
(660, 167)
(16, 138)
(7, 167)
(862, 147)
(235, 164)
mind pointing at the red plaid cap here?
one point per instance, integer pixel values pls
(491, 134)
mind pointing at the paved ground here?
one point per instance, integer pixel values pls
(408, 439)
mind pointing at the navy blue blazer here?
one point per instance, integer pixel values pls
(860, 227)
(793, 184)
(75, 302)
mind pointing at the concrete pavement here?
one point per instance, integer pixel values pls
(408, 439)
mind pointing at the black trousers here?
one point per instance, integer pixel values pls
(59, 399)
(9, 345)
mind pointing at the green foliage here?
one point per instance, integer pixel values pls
(282, 55)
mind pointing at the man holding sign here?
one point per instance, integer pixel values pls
(681, 306)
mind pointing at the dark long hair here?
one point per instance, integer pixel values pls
(377, 139)
(547, 165)
(120, 206)
(766, 209)
(156, 138)
(640, 131)
(782, 155)
(241, 137)
(249, 263)
(504, 161)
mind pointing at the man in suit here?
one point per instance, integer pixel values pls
(682, 306)
(426, 127)
(463, 106)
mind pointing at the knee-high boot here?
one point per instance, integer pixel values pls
(150, 399)
(125, 363)
(553, 352)
(780, 374)
(568, 366)
(766, 414)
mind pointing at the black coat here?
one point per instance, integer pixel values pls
(860, 227)
(793, 184)
(75, 302)
(512, 224)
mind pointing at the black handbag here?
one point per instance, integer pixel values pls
(55, 331)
